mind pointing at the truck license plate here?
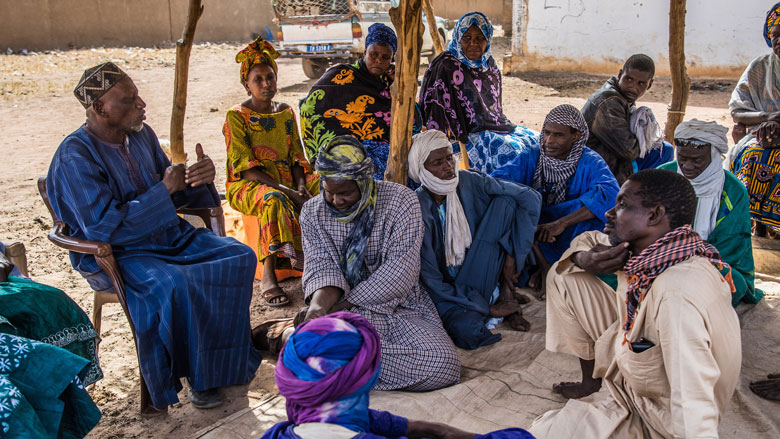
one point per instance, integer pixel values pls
(320, 47)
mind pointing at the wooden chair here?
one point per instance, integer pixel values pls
(102, 251)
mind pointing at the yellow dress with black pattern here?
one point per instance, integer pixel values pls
(271, 143)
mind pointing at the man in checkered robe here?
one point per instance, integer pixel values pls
(362, 242)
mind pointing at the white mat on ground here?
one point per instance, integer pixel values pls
(508, 385)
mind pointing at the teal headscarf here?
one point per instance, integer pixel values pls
(345, 158)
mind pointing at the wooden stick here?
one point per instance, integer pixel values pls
(407, 19)
(681, 82)
(438, 44)
(183, 49)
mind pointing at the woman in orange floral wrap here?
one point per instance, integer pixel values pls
(268, 176)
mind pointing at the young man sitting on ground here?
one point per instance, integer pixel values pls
(666, 344)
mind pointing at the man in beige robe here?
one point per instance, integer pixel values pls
(672, 368)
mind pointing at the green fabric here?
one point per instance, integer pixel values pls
(40, 393)
(731, 237)
(43, 313)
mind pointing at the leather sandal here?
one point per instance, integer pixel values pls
(267, 336)
(274, 293)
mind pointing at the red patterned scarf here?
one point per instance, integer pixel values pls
(676, 246)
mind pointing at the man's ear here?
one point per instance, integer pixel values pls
(657, 216)
(577, 136)
(97, 106)
(650, 84)
(620, 73)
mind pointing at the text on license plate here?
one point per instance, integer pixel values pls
(319, 47)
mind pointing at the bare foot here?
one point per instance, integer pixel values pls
(577, 390)
(537, 284)
(522, 299)
(505, 308)
(769, 388)
(517, 322)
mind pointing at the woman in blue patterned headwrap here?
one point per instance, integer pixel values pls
(354, 100)
(461, 96)
(326, 371)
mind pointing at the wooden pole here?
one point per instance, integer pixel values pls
(183, 49)
(681, 82)
(438, 44)
(407, 19)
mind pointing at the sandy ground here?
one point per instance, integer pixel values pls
(41, 83)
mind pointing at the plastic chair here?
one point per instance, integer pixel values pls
(103, 253)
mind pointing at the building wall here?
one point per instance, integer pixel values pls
(454, 9)
(63, 24)
(597, 35)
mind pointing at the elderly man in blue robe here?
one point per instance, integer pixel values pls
(576, 185)
(188, 291)
(478, 235)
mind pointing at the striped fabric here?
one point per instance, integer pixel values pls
(188, 291)
(676, 246)
(417, 354)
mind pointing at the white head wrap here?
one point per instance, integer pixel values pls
(457, 234)
(709, 184)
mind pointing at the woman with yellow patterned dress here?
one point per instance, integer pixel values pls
(268, 176)
(354, 100)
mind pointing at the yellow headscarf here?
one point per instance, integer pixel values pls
(257, 52)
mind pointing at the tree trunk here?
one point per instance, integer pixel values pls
(183, 48)
(438, 44)
(407, 19)
(681, 83)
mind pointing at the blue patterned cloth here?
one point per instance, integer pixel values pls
(489, 150)
(41, 395)
(188, 290)
(592, 186)
(381, 33)
(463, 24)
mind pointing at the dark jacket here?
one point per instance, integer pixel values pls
(608, 113)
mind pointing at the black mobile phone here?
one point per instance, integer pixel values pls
(642, 345)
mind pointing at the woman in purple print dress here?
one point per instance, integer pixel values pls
(461, 96)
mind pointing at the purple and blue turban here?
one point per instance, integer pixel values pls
(327, 369)
(381, 33)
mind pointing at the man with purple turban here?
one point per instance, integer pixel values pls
(326, 371)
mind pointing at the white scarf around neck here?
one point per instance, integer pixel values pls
(457, 234)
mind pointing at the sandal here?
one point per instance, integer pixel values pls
(274, 293)
(267, 336)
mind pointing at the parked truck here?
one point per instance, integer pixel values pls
(326, 32)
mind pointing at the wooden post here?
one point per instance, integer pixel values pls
(183, 48)
(681, 83)
(438, 44)
(407, 19)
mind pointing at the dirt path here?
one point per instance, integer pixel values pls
(41, 83)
